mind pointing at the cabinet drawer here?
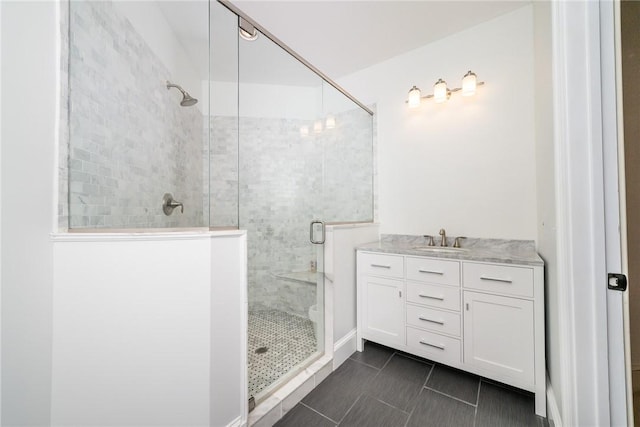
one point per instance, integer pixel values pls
(381, 265)
(433, 320)
(434, 295)
(433, 271)
(433, 346)
(499, 278)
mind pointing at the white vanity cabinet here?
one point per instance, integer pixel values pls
(483, 317)
(382, 292)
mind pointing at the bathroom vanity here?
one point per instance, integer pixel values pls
(479, 308)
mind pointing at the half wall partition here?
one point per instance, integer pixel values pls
(270, 146)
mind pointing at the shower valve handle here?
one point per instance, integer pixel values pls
(176, 204)
(169, 204)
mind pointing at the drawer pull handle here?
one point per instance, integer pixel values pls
(439, 322)
(440, 347)
(380, 266)
(496, 279)
(430, 271)
(431, 297)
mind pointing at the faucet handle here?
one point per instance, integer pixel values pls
(169, 204)
(456, 243)
(431, 242)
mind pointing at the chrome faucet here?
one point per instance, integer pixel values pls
(442, 233)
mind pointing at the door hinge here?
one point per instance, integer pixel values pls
(617, 282)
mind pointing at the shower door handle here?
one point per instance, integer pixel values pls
(311, 233)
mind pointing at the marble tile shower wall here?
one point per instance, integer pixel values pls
(286, 181)
(130, 140)
(348, 162)
(63, 135)
(222, 181)
(280, 193)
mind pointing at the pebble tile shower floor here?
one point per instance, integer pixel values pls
(289, 340)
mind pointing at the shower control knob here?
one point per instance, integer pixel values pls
(169, 204)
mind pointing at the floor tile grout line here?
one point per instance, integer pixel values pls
(423, 387)
(475, 413)
(387, 404)
(365, 364)
(433, 367)
(452, 397)
(350, 408)
(317, 412)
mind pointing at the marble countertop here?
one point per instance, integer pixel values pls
(473, 249)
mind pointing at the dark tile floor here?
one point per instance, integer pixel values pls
(384, 387)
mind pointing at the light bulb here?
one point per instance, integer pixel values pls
(317, 126)
(440, 91)
(469, 83)
(330, 123)
(414, 97)
(304, 131)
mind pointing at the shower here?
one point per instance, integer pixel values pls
(187, 100)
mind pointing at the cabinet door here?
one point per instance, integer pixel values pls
(499, 335)
(382, 303)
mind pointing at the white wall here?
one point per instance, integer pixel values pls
(149, 329)
(546, 239)
(467, 165)
(29, 67)
(229, 309)
(340, 269)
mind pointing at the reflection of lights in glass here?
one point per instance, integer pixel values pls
(304, 131)
(330, 123)
(469, 82)
(317, 126)
(440, 91)
(414, 97)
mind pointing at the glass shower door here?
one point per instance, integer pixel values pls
(280, 191)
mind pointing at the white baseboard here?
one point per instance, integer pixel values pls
(343, 348)
(553, 412)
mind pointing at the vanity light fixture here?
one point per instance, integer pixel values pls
(441, 92)
(469, 83)
(414, 97)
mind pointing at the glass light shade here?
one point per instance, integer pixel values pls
(440, 91)
(414, 97)
(469, 84)
(304, 130)
(330, 123)
(317, 126)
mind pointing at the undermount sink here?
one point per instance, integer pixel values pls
(440, 249)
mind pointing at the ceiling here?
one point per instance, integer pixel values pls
(337, 37)
(341, 37)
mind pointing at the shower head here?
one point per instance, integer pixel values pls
(187, 100)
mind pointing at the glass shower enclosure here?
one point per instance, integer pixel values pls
(271, 146)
